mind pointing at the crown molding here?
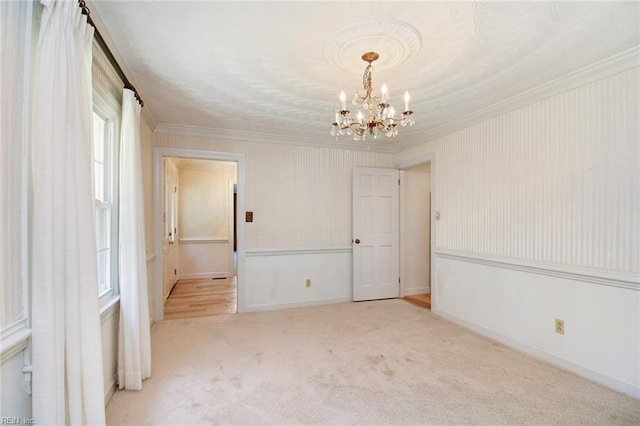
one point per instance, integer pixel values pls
(147, 116)
(615, 64)
(256, 137)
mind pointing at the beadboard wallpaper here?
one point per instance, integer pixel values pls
(205, 203)
(13, 139)
(105, 78)
(557, 181)
(300, 195)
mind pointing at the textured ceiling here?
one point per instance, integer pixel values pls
(277, 67)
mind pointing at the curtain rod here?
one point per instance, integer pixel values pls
(107, 52)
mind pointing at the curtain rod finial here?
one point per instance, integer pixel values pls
(83, 6)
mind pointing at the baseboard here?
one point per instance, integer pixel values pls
(164, 285)
(274, 307)
(417, 290)
(610, 382)
(111, 390)
(205, 275)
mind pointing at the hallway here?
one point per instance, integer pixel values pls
(201, 297)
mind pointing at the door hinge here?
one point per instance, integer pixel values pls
(398, 181)
(398, 280)
(175, 272)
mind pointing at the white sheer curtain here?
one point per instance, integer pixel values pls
(67, 355)
(134, 349)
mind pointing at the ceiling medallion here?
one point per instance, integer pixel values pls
(382, 121)
(396, 41)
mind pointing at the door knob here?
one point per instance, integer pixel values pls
(357, 241)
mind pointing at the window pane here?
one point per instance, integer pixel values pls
(103, 228)
(98, 138)
(104, 271)
(103, 176)
(99, 181)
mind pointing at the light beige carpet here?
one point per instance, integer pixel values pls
(385, 362)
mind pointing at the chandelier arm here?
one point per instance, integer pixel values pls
(378, 122)
(359, 98)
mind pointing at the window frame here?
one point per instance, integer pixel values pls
(108, 108)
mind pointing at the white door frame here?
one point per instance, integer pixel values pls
(158, 154)
(417, 161)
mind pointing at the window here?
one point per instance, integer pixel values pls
(107, 112)
(105, 186)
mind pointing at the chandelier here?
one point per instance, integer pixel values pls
(381, 117)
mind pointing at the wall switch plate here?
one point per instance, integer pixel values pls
(559, 326)
(248, 216)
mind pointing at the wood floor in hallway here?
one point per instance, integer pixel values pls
(202, 297)
(422, 300)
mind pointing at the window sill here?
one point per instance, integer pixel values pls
(109, 306)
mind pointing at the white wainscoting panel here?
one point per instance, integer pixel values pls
(15, 398)
(519, 308)
(110, 321)
(557, 181)
(277, 279)
(205, 258)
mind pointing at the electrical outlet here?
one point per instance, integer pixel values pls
(559, 326)
(308, 282)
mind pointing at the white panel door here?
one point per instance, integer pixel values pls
(231, 233)
(376, 271)
(170, 218)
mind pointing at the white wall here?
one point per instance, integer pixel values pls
(540, 219)
(416, 229)
(301, 199)
(206, 219)
(277, 279)
(109, 323)
(16, 43)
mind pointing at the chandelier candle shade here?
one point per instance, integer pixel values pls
(381, 117)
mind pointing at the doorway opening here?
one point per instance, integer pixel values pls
(416, 234)
(199, 241)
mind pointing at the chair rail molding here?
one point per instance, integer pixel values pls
(628, 280)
